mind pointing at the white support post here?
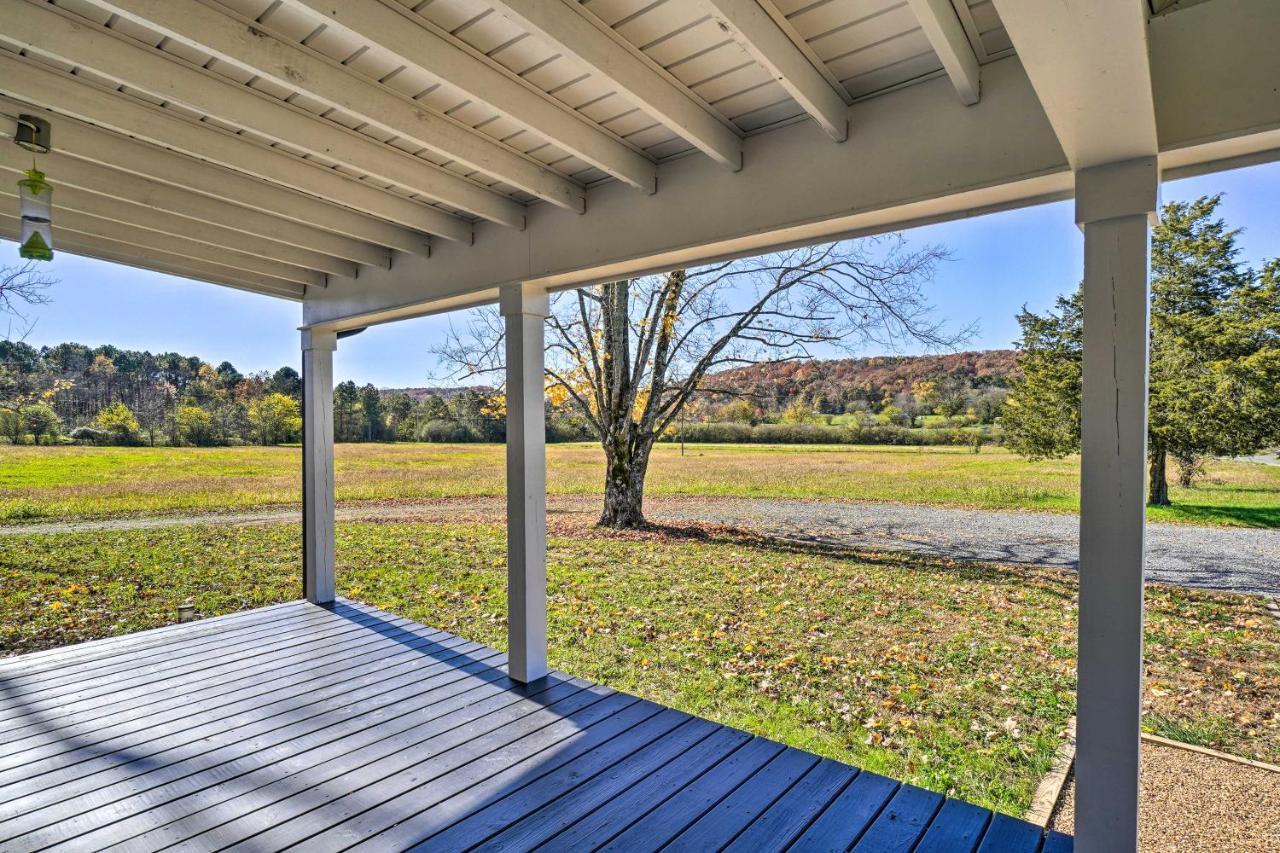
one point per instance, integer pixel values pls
(524, 313)
(317, 465)
(1113, 206)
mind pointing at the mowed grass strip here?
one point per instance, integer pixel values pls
(39, 483)
(958, 677)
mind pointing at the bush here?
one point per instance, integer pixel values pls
(443, 431)
(118, 424)
(563, 428)
(88, 435)
(195, 426)
(722, 433)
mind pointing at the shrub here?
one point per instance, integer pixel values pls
(42, 422)
(89, 435)
(568, 428)
(195, 426)
(722, 433)
(443, 431)
(118, 423)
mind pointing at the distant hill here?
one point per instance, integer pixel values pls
(419, 394)
(831, 384)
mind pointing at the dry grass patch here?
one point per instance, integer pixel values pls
(85, 482)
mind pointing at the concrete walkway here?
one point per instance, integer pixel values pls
(1243, 560)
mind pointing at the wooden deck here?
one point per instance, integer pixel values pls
(319, 729)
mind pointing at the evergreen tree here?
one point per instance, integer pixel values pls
(371, 410)
(287, 381)
(1215, 355)
(345, 397)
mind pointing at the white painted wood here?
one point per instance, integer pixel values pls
(1088, 61)
(307, 216)
(51, 33)
(150, 259)
(163, 201)
(70, 197)
(758, 34)
(317, 466)
(126, 234)
(294, 67)
(524, 312)
(920, 156)
(577, 33)
(945, 32)
(66, 95)
(903, 169)
(418, 44)
(1113, 426)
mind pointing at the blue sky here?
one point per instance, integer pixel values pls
(1000, 262)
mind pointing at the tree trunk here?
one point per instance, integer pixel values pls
(1157, 480)
(625, 471)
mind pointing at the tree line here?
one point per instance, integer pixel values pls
(111, 396)
(1214, 350)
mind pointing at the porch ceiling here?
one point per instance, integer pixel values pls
(330, 149)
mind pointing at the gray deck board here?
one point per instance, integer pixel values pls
(349, 728)
(268, 675)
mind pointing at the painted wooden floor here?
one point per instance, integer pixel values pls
(301, 727)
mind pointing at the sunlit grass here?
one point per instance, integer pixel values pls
(80, 482)
(959, 677)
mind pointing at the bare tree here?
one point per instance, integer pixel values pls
(632, 354)
(23, 285)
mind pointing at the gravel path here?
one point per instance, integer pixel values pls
(1240, 560)
(1243, 560)
(1195, 803)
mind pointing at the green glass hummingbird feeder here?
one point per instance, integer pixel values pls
(35, 199)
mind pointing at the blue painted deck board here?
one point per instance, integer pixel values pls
(903, 822)
(350, 728)
(957, 828)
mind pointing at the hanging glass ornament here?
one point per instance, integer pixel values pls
(35, 198)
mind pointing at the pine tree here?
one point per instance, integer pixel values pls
(1215, 355)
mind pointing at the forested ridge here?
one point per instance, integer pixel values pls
(836, 386)
(107, 394)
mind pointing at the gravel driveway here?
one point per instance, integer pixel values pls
(1233, 559)
(1242, 560)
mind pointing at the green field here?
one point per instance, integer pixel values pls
(44, 483)
(959, 677)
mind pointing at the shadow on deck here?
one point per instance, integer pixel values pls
(347, 727)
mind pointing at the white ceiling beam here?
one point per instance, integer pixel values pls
(36, 84)
(216, 236)
(155, 261)
(261, 201)
(919, 157)
(55, 34)
(1089, 63)
(127, 234)
(67, 171)
(773, 49)
(946, 34)
(239, 41)
(573, 31)
(416, 42)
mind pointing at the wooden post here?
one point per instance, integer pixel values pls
(1113, 206)
(524, 313)
(317, 465)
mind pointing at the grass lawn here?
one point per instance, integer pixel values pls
(959, 677)
(81, 482)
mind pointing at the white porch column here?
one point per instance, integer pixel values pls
(524, 313)
(317, 465)
(1113, 206)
